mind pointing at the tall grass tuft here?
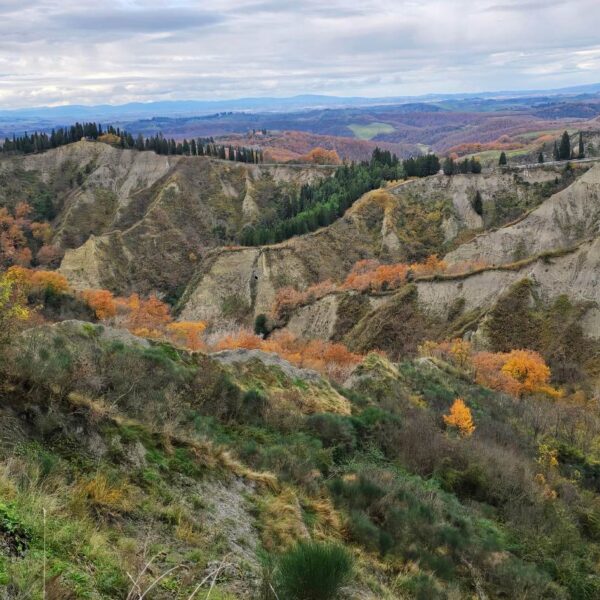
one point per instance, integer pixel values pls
(313, 571)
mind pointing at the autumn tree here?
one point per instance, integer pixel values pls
(145, 317)
(188, 334)
(460, 417)
(529, 369)
(13, 308)
(102, 302)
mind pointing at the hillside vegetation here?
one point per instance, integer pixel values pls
(402, 404)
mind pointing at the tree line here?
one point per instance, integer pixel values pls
(452, 167)
(561, 151)
(320, 204)
(41, 141)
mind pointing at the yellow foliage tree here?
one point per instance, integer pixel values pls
(12, 306)
(460, 417)
(529, 369)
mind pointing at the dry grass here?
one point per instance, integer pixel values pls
(104, 496)
(281, 519)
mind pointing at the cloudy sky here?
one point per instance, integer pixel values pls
(116, 51)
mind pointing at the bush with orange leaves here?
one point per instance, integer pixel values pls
(145, 317)
(460, 417)
(102, 302)
(39, 281)
(331, 359)
(188, 334)
(517, 372)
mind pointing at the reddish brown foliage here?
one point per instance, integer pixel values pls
(16, 233)
(320, 156)
(333, 360)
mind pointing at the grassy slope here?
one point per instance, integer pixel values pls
(131, 466)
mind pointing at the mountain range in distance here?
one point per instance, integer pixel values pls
(178, 108)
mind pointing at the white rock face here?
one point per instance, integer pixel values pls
(575, 274)
(567, 218)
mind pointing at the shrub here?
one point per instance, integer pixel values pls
(260, 325)
(313, 571)
(334, 431)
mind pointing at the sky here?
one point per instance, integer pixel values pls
(55, 52)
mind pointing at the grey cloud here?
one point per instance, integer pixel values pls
(85, 51)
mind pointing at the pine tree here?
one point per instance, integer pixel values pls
(502, 161)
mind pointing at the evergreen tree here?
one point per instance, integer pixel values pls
(564, 150)
(555, 152)
(581, 153)
(541, 157)
(478, 204)
(449, 167)
(475, 166)
(502, 161)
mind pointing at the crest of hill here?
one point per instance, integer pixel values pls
(132, 220)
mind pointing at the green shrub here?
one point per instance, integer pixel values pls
(260, 325)
(334, 431)
(313, 571)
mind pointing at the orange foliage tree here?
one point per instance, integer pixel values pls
(144, 317)
(102, 302)
(517, 372)
(188, 333)
(321, 156)
(460, 417)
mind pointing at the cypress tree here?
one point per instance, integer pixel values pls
(502, 161)
(581, 149)
(541, 158)
(478, 204)
(564, 149)
(555, 152)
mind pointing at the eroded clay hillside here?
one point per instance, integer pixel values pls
(406, 222)
(132, 220)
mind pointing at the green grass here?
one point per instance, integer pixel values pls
(368, 132)
(313, 571)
